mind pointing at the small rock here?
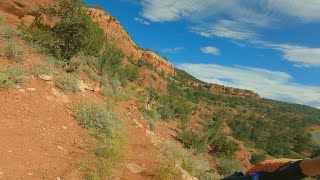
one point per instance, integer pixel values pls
(1, 173)
(59, 178)
(128, 113)
(150, 133)
(61, 148)
(45, 77)
(81, 86)
(17, 87)
(9, 151)
(137, 123)
(22, 90)
(64, 127)
(92, 87)
(31, 89)
(18, 97)
(133, 107)
(30, 174)
(134, 167)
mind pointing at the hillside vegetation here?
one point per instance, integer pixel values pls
(209, 127)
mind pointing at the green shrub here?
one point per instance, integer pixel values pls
(210, 176)
(108, 90)
(74, 32)
(315, 153)
(166, 112)
(173, 153)
(4, 81)
(91, 74)
(16, 74)
(229, 166)
(98, 119)
(13, 52)
(105, 125)
(110, 60)
(257, 157)
(152, 125)
(153, 77)
(8, 33)
(1, 20)
(168, 171)
(46, 67)
(67, 82)
(142, 63)
(150, 114)
(115, 83)
(132, 73)
(194, 140)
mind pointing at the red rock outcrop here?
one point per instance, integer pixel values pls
(220, 89)
(17, 11)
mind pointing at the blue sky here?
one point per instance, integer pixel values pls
(269, 46)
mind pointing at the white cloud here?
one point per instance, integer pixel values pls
(211, 50)
(260, 13)
(302, 56)
(172, 50)
(305, 10)
(225, 29)
(139, 20)
(269, 84)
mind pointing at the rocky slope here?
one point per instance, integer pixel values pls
(119, 36)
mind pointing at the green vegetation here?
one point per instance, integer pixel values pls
(175, 156)
(46, 67)
(131, 73)
(8, 33)
(67, 82)
(106, 127)
(257, 157)
(153, 77)
(214, 138)
(110, 60)
(152, 116)
(12, 75)
(13, 52)
(229, 166)
(75, 31)
(1, 20)
(168, 171)
(4, 81)
(280, 136)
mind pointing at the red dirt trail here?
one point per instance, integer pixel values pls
(38, 138)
